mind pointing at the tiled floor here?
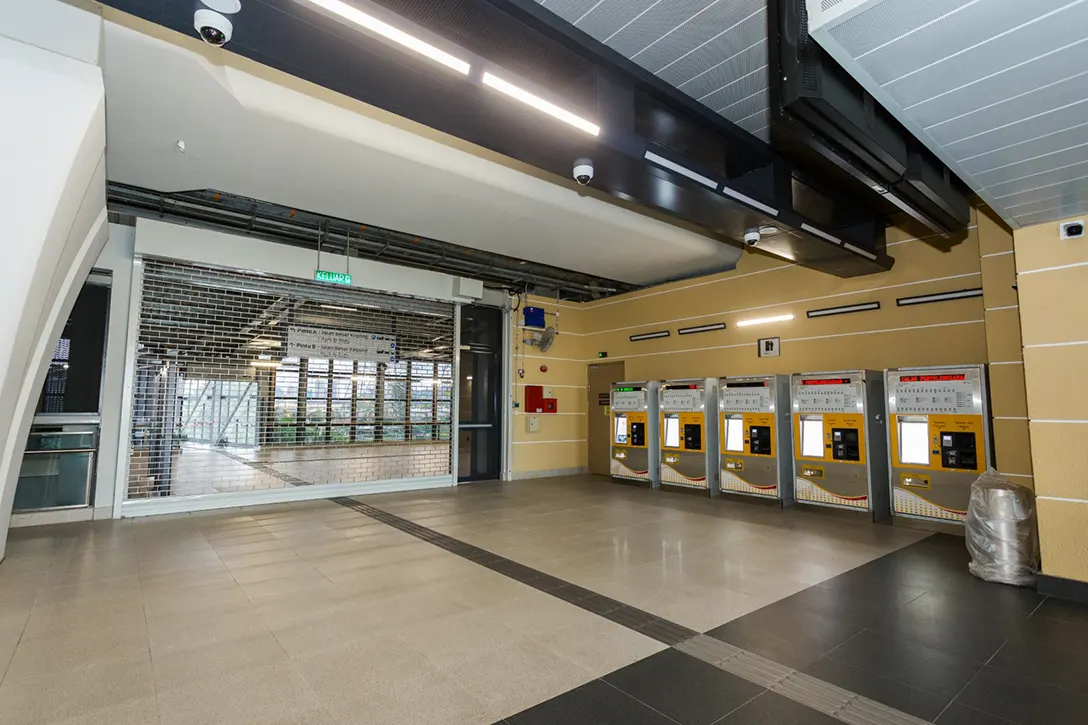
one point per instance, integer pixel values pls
(321, 613)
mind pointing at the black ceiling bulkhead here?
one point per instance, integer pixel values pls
(750, 184)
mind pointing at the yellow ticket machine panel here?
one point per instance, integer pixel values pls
(754, 436)
(838, 434)
(688, 430)
(633, 409)
(938, 439)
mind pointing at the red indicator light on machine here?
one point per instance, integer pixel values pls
(932, 378)
(826, 381)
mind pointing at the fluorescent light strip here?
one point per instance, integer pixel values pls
(701, 328)
(264, 364)
(749, 201)
(844, 310)
(682, 170)
(764, 320)
(540, 104)
(942, 297)
(649, 336)
(823, 235)
(371, 23)
(338, 307)
(858, 250)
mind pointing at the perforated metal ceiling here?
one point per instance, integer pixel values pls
(999, 88)
(713, 50)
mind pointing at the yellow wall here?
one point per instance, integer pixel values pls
(936, 334)
(1052, 276)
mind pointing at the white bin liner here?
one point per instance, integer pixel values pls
(1001, 531)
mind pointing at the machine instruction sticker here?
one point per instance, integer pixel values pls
(746, 400)
(690, 400)
(951, 395)
(322, 342)
(628, 400)
(826, 397)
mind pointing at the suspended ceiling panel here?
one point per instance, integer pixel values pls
(713, 50)
(250, 131)
(998, 88)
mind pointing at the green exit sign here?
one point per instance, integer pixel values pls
(321, 275)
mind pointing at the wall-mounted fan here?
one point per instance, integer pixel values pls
(542, 340)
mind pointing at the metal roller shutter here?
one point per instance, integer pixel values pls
(246, 381)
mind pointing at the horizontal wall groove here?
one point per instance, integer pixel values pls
(1054, 269)
(1062, 499)
(998, 254)
(1058, 421)
(788, 302)
(1010, 417)
(1007, 362)
(1003, 307)
(563, 440)
(1073, 343)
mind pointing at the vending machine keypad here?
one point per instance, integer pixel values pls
(638, 434)
(845, 444)
(759, 440)
(693, 437)
(958, 451)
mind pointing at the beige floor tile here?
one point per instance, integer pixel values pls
(81, 691)
(537, 613)
(455, 638)
(409, 605)
(517, 676)
(59, 653)
(186, 629)
(205, 597)
(599, 646)
(325, 629)
(190, 663)
(144, 711)
(375, 663)
(253, 696)
(419, 700)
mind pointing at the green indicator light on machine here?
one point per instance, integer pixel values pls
(625, 390)
(321, 275)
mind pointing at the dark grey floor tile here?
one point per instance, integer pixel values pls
(688, 690)
(1063, 610)
(836, 606)
(594, 703)
(772, 709)
(958, 714)
(790, 636)
(922, 667)
(1023, 700)
(1048, 649)
(972, 630)
(894, 694)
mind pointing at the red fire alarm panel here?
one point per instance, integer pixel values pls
(535, 402)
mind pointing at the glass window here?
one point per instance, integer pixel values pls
(620, 436)
(672, 430)
(366, 386)
(396, 389)
(812, 436)
(734, 433)
(318, 365)
(914, 440)
(346, 367)
(364, 411)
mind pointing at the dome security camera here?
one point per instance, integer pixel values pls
(583, 171)
(751, 237)
(214, 28)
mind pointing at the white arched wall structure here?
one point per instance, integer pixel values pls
(52, 200)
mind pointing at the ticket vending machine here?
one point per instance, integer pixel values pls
(688, 433)
(839, 441)
(634, 432)
(939, 439)
(755, 437)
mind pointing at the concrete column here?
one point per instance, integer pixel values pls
(52, 199)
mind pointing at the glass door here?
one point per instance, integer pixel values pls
(479, 437)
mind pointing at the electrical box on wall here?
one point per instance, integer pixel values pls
(534, 317)
(539, 399)
(532, 424)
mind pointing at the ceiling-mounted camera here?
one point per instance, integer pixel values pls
(213, 26)
(751, 237)
(583, 171)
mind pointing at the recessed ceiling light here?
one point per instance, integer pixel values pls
(223, 6)
(540, 104)
(768, 230)
(371, 23)
(338, 307)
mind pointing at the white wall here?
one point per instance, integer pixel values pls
(52, 200)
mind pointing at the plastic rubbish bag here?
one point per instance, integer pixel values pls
(1001, 531)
